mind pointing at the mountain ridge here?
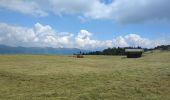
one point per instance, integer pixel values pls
(4, 49)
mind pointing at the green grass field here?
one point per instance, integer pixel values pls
(55, 77)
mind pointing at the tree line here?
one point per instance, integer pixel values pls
(121, 50)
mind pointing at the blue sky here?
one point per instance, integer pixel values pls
(87, 24)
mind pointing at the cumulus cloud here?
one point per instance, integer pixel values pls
(134, 40)
(120, 42)
(40, 35)
(122, 11)
(12, 35)
(84, 40)
(45, 36)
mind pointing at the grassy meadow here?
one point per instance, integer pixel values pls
(61, 77)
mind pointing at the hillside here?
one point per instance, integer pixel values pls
(51, 77)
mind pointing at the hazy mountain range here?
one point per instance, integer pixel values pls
(38, 50)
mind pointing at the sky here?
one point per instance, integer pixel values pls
(85, 24)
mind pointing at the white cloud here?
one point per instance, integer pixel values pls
(132, 11)
(70, 7)
(40, 35)
(45, 36)
(122, 11)
(84, 40)
(14, 35)
(23, 6)
(99, 11)
(43, 30)
(136, 40)
(87, 8)
(120, 42)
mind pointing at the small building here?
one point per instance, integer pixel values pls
(134, 53)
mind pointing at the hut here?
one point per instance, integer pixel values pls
(133, 53)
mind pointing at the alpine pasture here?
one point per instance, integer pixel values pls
(59, 77)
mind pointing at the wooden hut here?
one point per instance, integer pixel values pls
(133, 53)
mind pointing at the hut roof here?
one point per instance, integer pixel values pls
(133, 50)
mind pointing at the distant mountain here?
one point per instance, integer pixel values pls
(38, 50)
